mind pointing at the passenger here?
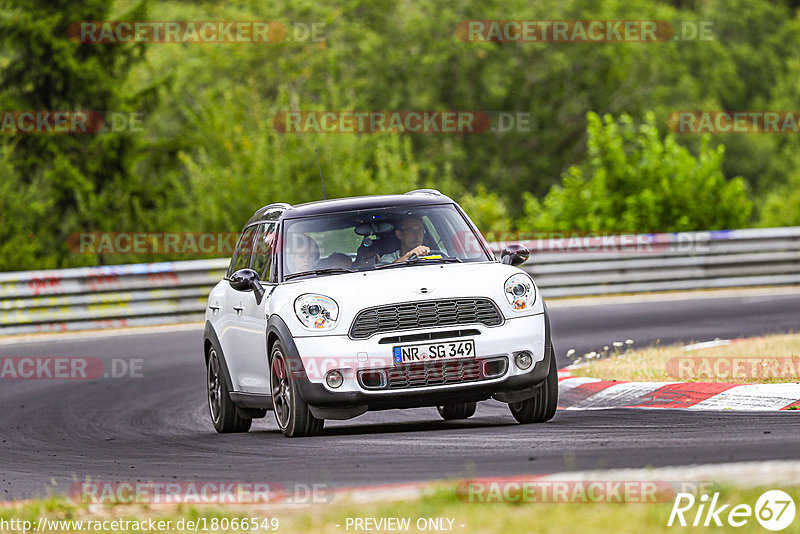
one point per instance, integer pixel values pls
(304, 255)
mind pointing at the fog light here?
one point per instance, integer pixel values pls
(495, 367)
(334, 379)
(372, 379)
(523, 359)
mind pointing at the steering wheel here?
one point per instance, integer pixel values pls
(431, 252)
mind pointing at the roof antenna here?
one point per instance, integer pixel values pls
(320, 175)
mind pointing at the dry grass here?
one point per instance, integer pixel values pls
(771, 359)
(466, 517)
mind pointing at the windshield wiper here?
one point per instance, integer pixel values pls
(329, 270)
(419, 259)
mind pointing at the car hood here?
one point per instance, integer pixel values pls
(355, 291)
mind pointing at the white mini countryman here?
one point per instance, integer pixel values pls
(333, 308)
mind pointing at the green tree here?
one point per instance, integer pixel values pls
(209, 155)
(24, 204)
(781, 207)
(635, 181)
(487, 210)
(88, 181)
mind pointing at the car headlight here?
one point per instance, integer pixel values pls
(520, 292)
(316, 312)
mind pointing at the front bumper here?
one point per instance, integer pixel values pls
(320, 354)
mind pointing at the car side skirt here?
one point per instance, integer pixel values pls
(247, 401)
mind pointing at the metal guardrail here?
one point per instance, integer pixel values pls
(664, 262)
(105, 297)
(173, 292)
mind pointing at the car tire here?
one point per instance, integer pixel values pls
(542, 406)
(292, 414)
(461, 410)
(225, 417)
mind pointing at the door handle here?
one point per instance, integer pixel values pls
(214, 307)
(238, 309)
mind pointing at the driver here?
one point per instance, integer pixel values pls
(305, 254)
(410, 233)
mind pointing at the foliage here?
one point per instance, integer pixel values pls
(636, 182)
(209, 154)
(487, 210)
(782, 206)
(60, 184)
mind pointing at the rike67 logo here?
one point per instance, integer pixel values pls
(774, 510)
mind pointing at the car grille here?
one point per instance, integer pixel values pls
(424, 314)
(422, 374)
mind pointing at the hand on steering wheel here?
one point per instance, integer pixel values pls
(419, 250)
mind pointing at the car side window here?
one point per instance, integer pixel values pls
(244, 249)
(262, 251)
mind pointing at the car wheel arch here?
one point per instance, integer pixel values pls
(277, 330)
(207, 349)
(212, 341)
(272, 337)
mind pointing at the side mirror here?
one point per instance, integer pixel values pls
(247, 280)
(514, 254)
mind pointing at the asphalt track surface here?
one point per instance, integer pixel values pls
(156, 428)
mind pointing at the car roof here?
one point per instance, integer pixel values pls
(274, 212)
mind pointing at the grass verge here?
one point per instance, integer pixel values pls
(764, 360)
(440, 502)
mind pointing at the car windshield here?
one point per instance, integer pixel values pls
(378, 238)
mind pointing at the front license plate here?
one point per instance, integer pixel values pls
(434, 351)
